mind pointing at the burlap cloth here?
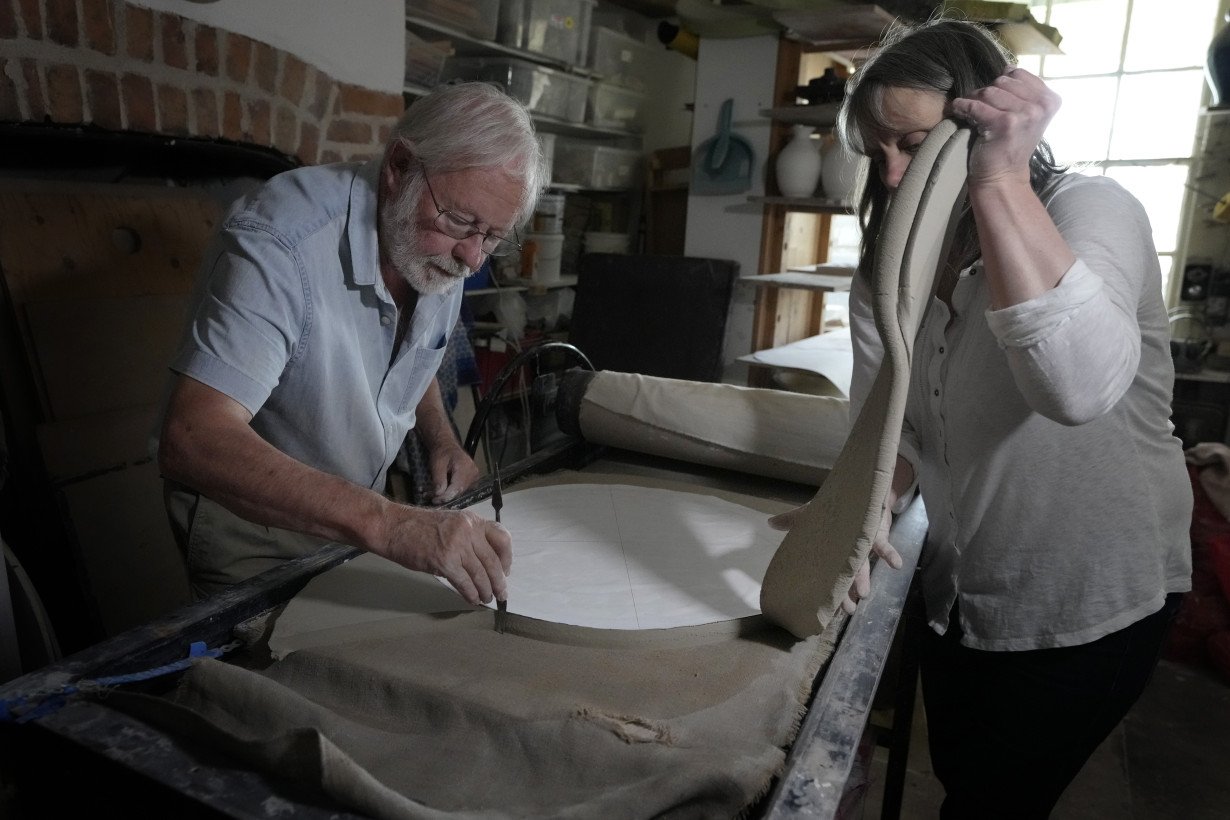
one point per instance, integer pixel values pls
(438, 715)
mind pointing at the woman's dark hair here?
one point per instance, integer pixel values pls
(952, 57)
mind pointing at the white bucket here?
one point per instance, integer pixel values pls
(549, 214)
(540, 257)
(599, 242)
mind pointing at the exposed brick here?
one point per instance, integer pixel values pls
(232, 116)
(294, 75)
(321, 94)
(285, 129)
(35, 98)
(139, 32)
(205, 108)
(64, 92)
(358, 100)
(266, 67)
(341, 130)
(383, 133)
(172, 110)
(8, 23)
(100, 25)
(102, 92)
(330, 156)
(137, 93)
(62, 22)
(206, 41)
(174, 42)
(309, 144)
(10, 108)
(32, 16)
(258, 121)
(238, 57)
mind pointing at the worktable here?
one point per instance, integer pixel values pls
(85, 754)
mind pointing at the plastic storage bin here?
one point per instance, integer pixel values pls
(613, 106)
(477, 18)
(424, 61)
(620, 59)
(543, 90)
(595, 166)
(557, 29)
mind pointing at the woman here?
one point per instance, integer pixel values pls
(1037, 429)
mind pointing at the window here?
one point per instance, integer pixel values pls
(1132, 81)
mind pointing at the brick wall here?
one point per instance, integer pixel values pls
(127, 68)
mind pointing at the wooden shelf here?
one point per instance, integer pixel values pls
(823, 115)
(826, 282)
(539, 288)
(489, 291)
(467, 45)
(815, 205)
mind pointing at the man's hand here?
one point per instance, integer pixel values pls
(452, 471)
(470, 552)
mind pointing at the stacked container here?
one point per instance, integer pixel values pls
(623, 63)
(589, 165)
(544, 91)
(555, 29)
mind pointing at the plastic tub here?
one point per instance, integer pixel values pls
(542, 90)
(620, 59)
(540, 257)
(556, 29)
(549, 214)
(613, 106)
(595, 166)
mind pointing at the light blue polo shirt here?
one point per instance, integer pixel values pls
(292, 319)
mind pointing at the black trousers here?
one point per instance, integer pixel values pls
(1010, 730)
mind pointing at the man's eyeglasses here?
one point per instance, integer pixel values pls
(453, 226)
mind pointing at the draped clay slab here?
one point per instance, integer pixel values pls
(812, 569)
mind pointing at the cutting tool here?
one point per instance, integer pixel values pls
(497, 503)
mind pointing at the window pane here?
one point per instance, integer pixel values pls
(1156, 114)
(1030, 62)
(1081, 130)
(1092, 32)
(1166, 262)
(1160, 189)
(1166, 34)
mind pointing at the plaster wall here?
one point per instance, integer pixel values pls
(728, 226)
(354, 41)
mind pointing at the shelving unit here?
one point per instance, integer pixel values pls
(582, 199)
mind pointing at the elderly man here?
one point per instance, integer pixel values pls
(322, 312)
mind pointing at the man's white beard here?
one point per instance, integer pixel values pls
(402, 249)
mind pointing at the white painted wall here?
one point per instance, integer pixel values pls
(353, 41)
(729, 227)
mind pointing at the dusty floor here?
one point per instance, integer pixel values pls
(1169, 758)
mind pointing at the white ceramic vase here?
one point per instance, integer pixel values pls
(840, 170)
(798, 164)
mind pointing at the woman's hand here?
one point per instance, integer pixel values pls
(1009, 116)
(861, 586)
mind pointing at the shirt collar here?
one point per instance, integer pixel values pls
(361, 224)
